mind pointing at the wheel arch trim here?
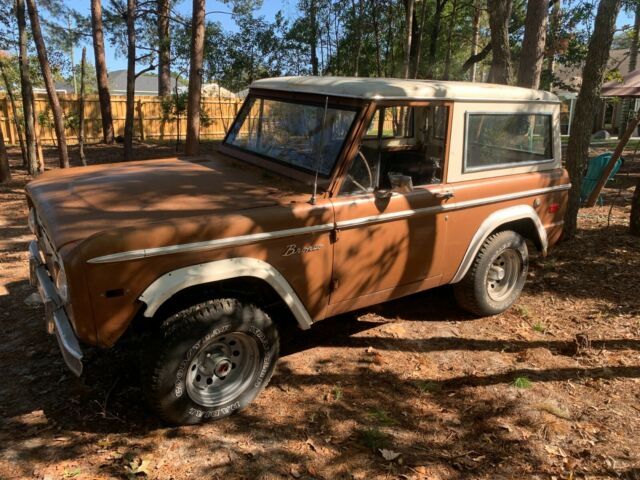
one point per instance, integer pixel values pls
(491, 223)
(167, 285)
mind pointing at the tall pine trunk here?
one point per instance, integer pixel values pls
(475, 37)
(56, 110)
(164, 49)
(313, 36)
(5, 172)
(417, 44)
(83, 67)
(447, 59)
(192, 145)
(532, 55)
(586, 104)
(14, 111)
(26, 89)
(101, 71)
(499, 16)
(131, 80)
(434, 37)
(552, 40)
(408, 5)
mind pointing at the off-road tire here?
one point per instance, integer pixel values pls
(181, 341)
(472, 292)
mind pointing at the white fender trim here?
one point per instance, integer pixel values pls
(171, 283)
(492, 222)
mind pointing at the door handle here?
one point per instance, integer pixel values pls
(444, 195)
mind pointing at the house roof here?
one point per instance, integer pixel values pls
(570, 77)
(628, 87)
(146, 84)
(394, 88)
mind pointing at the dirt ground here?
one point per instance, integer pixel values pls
(548, 390)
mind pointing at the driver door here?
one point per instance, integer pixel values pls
(390, 235)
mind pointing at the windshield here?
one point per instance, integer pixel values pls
(295, 134)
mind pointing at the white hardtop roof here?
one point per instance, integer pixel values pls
(395, 88)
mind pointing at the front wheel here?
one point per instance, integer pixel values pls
(209, 361)
(496, 277)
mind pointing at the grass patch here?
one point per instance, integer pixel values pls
(428, 387)
(381, 417)
(539, 327)
(373, 438)
(522, 382)
(337, 393)
(523, 311)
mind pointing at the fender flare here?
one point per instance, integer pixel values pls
(164, 287)
(493, 221)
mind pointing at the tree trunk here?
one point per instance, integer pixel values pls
(357, 13)
(83, 66)
(592, 77)
(418, 40)
(435, 34)
(101, 71)
(26, 89)
(14, 110)
(5, 172)
(192, 145)
(532, 55)
(409, 4)
(164, 47)
(376, 33)
(633, 61)
(131, 80)
(36, 136)
(634, 223)
(475, 37)
(447, 60)
(499, 15)
(313, 36)
(56, 110)
(552, 38)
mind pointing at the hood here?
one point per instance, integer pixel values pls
(75, 203)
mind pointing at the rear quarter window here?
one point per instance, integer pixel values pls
(501, 140)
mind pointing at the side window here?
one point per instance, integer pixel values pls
(498, 140)
(400, 141)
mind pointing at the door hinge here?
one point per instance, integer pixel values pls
(335, 234)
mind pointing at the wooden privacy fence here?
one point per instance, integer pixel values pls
(149, 124)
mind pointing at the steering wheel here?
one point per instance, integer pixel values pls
(370, 175)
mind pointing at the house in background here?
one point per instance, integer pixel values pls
(146, 84)
(569, 81)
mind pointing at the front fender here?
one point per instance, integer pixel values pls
(163, 288)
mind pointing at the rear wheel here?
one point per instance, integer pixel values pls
(496, 277)
(210, 361)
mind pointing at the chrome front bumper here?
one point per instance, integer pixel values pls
(57, 320)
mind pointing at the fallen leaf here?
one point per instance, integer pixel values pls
(389, 455)
(553, 409)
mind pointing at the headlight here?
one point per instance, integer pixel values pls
(31, 220)
(61, 285)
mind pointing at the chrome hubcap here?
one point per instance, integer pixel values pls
(503, 274)
(222, 369)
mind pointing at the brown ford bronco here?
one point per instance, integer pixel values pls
(327, 195)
